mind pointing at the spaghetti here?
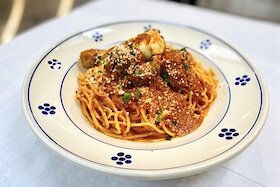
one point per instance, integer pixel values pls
(142, 90)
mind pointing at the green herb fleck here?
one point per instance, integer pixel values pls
(185, 65)
(99, 60)
(183, 49)
(131, 48)
(159, 117)
(153, 70)
(165, 76)
(137, 94)
(174, 123)
(159, 111)
(168, 138)
(126, 97)
(137, 71)
(119, 86)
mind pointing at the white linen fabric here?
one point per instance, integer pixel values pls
(25, 161)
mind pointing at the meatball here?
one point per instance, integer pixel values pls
(142, 74)
(90, 58)
(176, 66)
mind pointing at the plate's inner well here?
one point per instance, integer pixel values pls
(55, 114)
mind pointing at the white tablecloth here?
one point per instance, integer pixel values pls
(25, 161)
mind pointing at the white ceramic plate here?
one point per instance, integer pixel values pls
(234, 120)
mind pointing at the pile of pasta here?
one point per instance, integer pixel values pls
(144, 89)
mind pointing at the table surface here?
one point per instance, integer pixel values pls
(25, 161)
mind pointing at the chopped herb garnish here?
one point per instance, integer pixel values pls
(119, 86)
(174, 123)
(155, 67)
(183, 49)
(98, 57)
(110, 54)
(168, 138)
(185, 65)
(137, 94)
(131, 48)
(153, 70)
(99, 60)
(165, 76)
(137, 71)
(159, 117)
(159, 111)
(126, 97)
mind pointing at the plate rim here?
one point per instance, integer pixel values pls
(152, 174)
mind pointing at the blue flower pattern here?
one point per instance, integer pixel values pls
(243, 80)
(97, 37)
(147, 27)
(54, 64)
(46, 109)
(205, 44)
(228, 134)
(122, 158)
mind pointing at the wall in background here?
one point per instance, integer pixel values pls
(38, 11)
(260, 9)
